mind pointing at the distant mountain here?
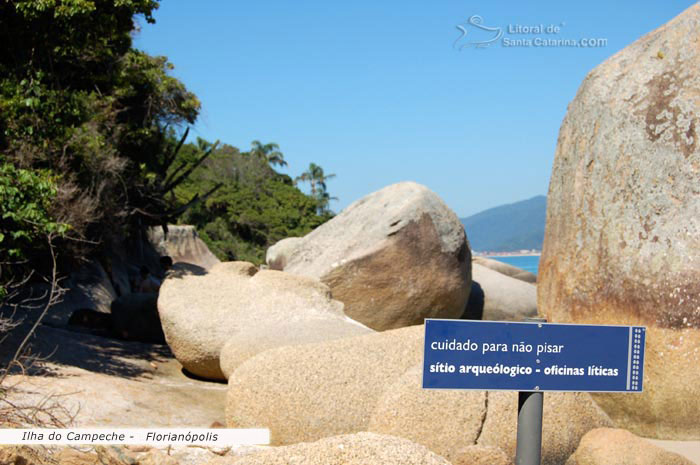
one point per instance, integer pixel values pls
(508, 228)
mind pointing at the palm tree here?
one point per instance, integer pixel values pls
(317, 178)
(203, 145)
(268, 152)
(323, 198)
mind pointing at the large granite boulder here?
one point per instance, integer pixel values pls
(608, 446)
(286, 333)
(481, 455)
(310, 391)
(567, 417)
(498, 297)
(447, 421)
(348, 449)
(623, 220)
(444, 421)
(87, 288)
(201, 312)
(394, 257)
(182, 244)
(277, 255)
(506, 269)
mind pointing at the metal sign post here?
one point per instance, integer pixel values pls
(529, 443)
(532, 357)
(528, 449)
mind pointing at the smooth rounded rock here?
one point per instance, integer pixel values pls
(394, 258)
(200, 313)
(481, 455)
(504, 298)
(567, 417)
(286, 333)
(277, 255)
(608, 446)
(448, 421)
(444, 421)
(310, 391)
(623, 220)
(506, 269)
(348, 449)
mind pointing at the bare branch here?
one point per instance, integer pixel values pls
(169, 159)
(194, 201)
(54, 295)
(172, 184)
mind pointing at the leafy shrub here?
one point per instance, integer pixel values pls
(25, 222)
(254, 208)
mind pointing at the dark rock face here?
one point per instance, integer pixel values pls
(622, 244)
(91, 320)
(475, 305)
(87, 287)
(135, 317)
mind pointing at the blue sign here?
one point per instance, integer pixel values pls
(490, 355)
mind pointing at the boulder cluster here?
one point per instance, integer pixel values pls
(328, 385)
(323, 345)
(620, 248)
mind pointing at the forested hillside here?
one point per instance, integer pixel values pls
(93, 147)
(253, 205)
(508, 228)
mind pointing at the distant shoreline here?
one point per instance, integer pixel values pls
(508, 254)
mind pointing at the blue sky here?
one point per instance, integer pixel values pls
(384, 91)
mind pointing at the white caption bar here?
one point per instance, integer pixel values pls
(141, 436)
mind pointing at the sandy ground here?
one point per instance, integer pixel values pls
(103, 381)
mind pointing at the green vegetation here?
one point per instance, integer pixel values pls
(92, 146)
(254, 207)
(268, 152)
(317, 179)
(25, 224)
(78, 104)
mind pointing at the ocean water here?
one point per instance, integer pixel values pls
(525, 262)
